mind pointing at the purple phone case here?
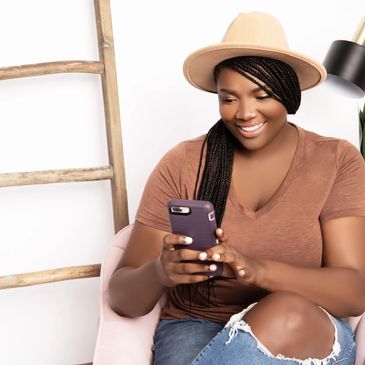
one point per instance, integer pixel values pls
(199, 224)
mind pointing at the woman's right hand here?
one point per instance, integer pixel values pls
(171, 268)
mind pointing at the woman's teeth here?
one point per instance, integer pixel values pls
(253, 128)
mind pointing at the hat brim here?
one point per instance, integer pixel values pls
(199, 66)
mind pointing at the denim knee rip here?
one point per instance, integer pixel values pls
(236, 323)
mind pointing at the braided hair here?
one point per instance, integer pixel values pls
(278, 80)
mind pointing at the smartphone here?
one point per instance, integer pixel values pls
(195, 219)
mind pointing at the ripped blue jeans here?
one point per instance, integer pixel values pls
(196, 341)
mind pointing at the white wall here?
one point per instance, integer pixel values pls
(57, 122)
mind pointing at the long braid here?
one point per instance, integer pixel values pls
(219, 143)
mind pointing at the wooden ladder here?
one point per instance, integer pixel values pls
(105, 67)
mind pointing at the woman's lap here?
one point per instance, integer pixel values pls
(201, 342)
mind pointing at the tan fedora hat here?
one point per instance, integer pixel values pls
(251, 34)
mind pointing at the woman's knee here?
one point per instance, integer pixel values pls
(287, 310)
(289, 324)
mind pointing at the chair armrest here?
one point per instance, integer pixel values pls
(122, 340)
(126, 340)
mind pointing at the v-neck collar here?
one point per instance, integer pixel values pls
(275, 198)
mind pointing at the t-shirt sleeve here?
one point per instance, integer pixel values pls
(163, 184)
(347, 195)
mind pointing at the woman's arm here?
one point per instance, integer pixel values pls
(134, 287)
(149, 266)
(338, 287)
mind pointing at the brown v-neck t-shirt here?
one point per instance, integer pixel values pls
(326, 180)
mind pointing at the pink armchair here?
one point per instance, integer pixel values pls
(125, 341)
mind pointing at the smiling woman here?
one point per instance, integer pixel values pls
(290, 207)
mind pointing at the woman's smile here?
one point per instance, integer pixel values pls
(251, 130)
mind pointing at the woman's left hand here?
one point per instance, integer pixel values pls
(246, 269)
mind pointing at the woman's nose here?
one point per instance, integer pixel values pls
(246, 110)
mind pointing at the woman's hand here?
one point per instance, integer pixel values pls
(171, 268)
(244, 268)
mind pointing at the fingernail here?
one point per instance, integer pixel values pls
(188, 240)
(213, 267)
(203, 256)
(220, 230)
(216, 256)
(241, 272)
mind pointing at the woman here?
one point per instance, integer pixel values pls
(291, 207)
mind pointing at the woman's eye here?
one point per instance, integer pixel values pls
(263, 97)
(227, 100)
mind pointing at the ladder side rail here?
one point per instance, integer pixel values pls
(112, 113)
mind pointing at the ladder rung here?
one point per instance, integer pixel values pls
(49, 276)
(55, 176)
(46, 68)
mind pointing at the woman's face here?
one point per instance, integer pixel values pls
(251, 115)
